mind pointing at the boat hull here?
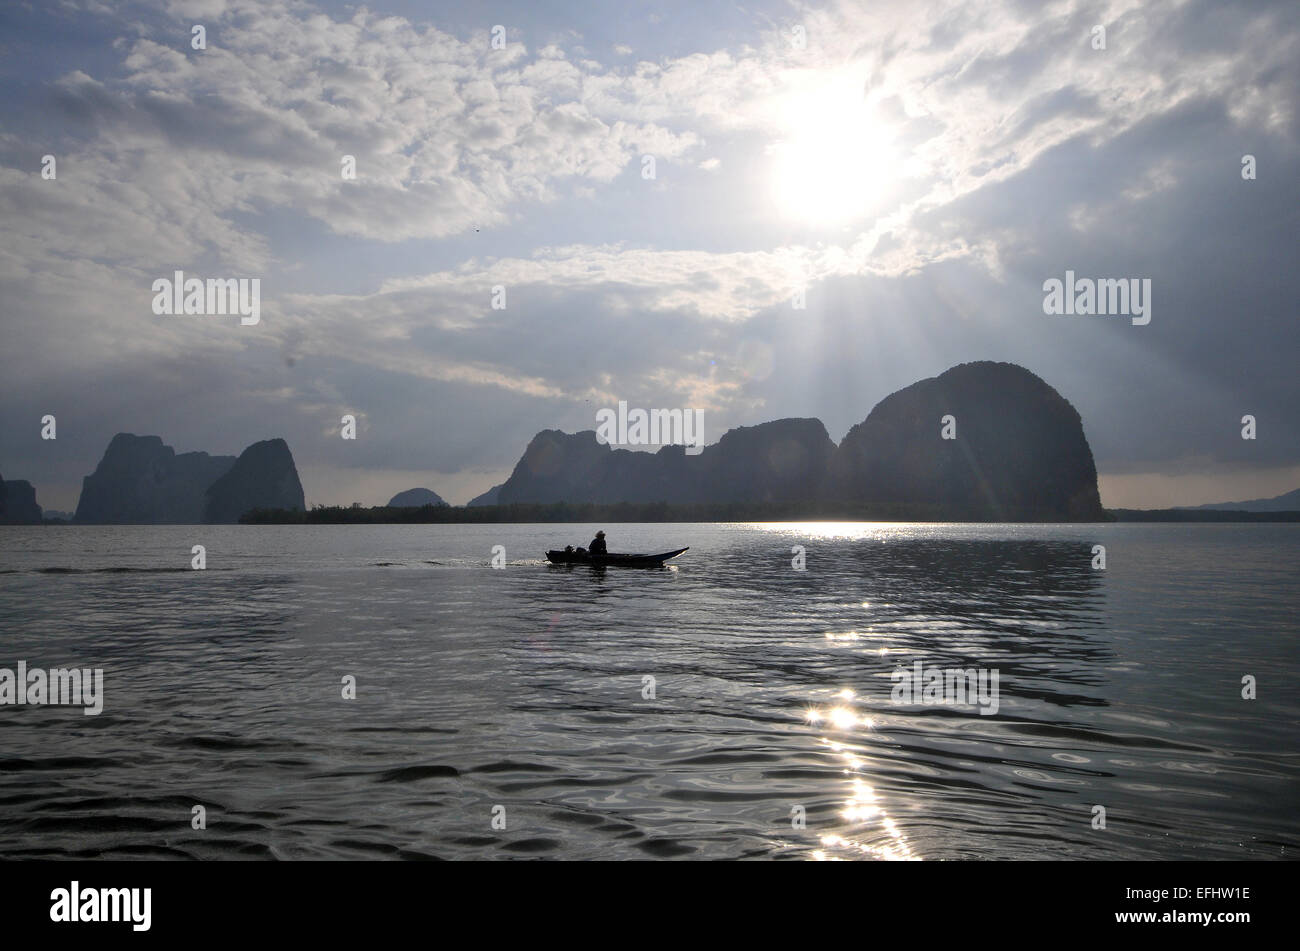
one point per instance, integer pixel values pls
(612, 560)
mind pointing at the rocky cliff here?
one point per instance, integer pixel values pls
(1019, 451)
(18, 503)
(263, 476)
(490, 497)
(142, 481)
(782, 460)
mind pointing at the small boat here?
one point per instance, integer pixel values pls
(612, 559)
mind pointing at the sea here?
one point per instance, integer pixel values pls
(795, 691)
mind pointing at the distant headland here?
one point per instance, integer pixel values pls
(141, 481)
(981, 442)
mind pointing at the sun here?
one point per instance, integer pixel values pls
(834, 159)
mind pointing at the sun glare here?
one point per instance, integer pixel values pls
(835, 158)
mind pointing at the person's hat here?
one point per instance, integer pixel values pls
(600, 534)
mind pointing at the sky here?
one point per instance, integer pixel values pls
(652, 185)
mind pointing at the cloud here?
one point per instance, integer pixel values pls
(1020, 151)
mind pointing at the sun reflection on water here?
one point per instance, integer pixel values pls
(881, 531)
(873, 832)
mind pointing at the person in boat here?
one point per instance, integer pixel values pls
(597, 547)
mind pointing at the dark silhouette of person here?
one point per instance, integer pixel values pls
(597, 546)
